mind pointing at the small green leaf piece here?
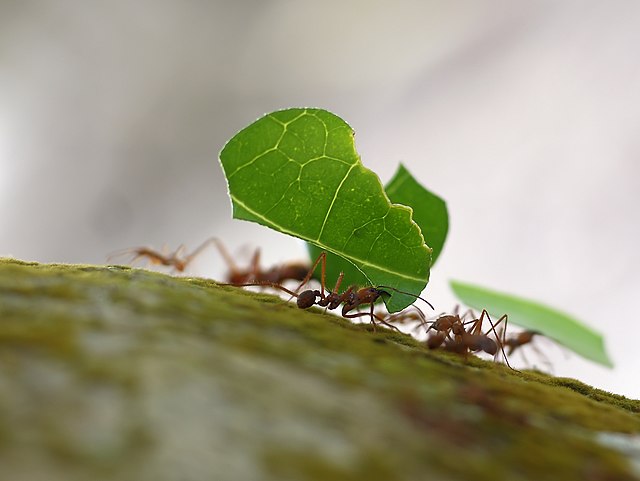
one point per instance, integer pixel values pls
(297, 171)
(550, 322)
(429, 210)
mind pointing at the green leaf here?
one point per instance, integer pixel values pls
(550, 322)
(429, 212)
(297, 171)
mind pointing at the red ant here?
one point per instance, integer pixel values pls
(351, 299)
(236, 276)
(176, 259)
(516, 341)
(465, 341)
(296, 271)
(519, 340)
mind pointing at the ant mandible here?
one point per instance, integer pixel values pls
(351, 299)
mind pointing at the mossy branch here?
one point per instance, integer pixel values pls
(119, 373)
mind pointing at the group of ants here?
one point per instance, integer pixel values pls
(451, 332)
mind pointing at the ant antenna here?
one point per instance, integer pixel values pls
(408, 294)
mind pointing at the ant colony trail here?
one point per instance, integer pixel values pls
(179, 261)
(450, 331)
(350, 299)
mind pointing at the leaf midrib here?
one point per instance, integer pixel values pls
(323, 246)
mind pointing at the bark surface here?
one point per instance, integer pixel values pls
(112, 373)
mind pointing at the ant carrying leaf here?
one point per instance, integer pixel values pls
(351, 299)
(297, 171)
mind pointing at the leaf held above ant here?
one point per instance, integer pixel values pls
(429, 212)
(298, 172)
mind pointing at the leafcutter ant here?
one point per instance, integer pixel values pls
(178, 261)
(451, 332)
(295, 271)
(351, 299)
(516, 341)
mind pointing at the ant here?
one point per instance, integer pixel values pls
(236, 276)
(351, 299)
(463, 340)
(296, 271)
(176, 259)
(519, 340)
(516, 341)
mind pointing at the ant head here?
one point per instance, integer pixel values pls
(369, 294)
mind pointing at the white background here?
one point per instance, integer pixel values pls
(525, 117)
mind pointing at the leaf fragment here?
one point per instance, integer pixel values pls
(298, 172)
(429, 212)
(550, 322)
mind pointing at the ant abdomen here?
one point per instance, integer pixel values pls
(482, 343)
(434, 341)
(489, 346)
(306, 299)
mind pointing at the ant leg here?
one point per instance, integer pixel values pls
(231, 265)
(180, 261)
(493, 328)
(333, 300)
(373, 323)
(468, 312)
(179, 251)
(175, 259)
(372, 316)
(151, 259)
(338, 282)
(255, 264)
(524, 358)
(200, 248)
(321, 258)
(502, 341)
(123, 252)
(381, 320)
(476, 325)
(152, 256)
(543, 357)
(416, 315)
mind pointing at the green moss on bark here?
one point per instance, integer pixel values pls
(119, 373)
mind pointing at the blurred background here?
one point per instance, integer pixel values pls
(524, 116)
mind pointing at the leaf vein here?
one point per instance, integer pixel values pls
(352, 259)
